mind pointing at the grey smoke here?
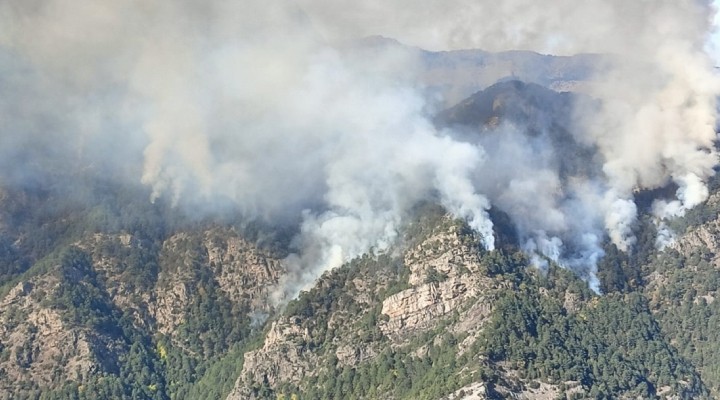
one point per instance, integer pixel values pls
(265, 105)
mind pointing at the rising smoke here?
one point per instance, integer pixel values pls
(264, 105)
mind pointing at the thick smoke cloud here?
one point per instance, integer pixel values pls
(658, 109)
(655, 123)
(246, 102)
(266, 106)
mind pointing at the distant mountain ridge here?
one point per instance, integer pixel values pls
(534, 110)
(457, 74)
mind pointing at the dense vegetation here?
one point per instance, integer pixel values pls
(136, 362)
(612, 344)
(640, 338)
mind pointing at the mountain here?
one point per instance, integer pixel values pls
(105, 295)
(456, 322)
(457, 74)
(540, 113)
(681, 284)
(135, 311)
(460, 73)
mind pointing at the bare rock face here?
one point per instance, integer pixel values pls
(243, 271)
(354, 354)
(445, 253)
(704, 236)
(180, 255)
(444, 277)
(508, 386)
(473, 391)
(285, 357)
(444, 283)
(700, 247)
(169, 306)
(572, 302)
(418, 308)
(107, 252)
(289, 339)
(37, 346)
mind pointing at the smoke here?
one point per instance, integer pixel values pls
(246, 102)
(264, 106)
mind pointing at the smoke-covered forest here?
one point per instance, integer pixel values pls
(359, 200)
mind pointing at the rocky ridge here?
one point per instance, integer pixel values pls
(445, 288)
(156, 285)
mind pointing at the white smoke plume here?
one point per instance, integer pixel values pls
(265, 106)
(246, 101)
(656, 120)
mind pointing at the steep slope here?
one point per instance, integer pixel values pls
(682, 284)
(444, 318)
(104, 295)
(457, 74)
(539, 113)
(174, 313)
(131, 312)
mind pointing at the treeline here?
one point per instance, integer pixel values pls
(605, 345)
(201, 360)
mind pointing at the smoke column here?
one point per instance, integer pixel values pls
(265, 106)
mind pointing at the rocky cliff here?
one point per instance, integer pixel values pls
(77, 318)
(184, 313)
(467, 324)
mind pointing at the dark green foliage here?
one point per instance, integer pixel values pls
(83, 303)
(434, 276)
(333, 293)
(643, 251)
(40, 223)
(212, 325)
(613, 345)
(396, 373)
(503, 262)
(613, 271)
(610, 344)
(12, 262)
(393, 374)
(620, 271)
(688, 311)
(148, 367)
(219, 379)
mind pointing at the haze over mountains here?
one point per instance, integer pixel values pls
(456, 74)
(121, 298)
(257, 109)
(177, 168)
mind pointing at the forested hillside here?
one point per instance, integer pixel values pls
(104, 294)
(466, 321)
(154, 310)
(346, 200)
(125, 299)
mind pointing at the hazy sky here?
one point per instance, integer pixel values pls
(253, 103)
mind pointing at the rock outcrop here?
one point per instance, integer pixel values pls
(444, 277)
(42, 344)
(39, 348)
(443, 284)
(243, 271)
